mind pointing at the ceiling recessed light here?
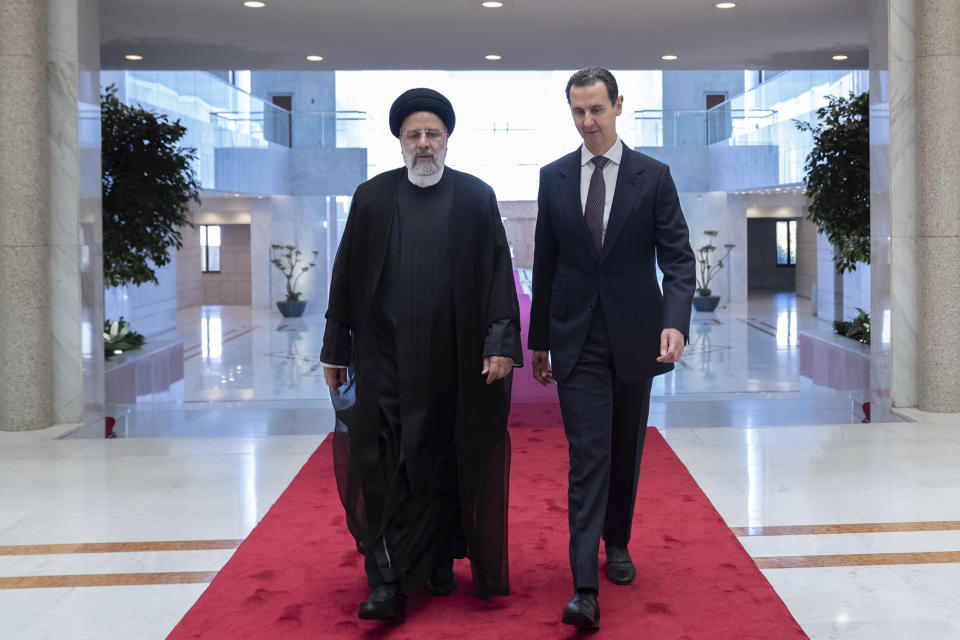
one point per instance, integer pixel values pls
(314, 58)
(254, 4)
(669, 57)
(726, 5)
(133, 56)
(840, 58)
(493, 56)
(491, 4)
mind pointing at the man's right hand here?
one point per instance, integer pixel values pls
(541, 367)
(335, 377)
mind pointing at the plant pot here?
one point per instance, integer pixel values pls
(292, 309)
(705, 303)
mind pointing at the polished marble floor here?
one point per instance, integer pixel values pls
(195, 468)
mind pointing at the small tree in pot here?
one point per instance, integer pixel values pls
(837, 178)
(147, 186)
(706, 270)
(289, 264)
(837, 181)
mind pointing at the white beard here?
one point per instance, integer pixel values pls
(429, 168)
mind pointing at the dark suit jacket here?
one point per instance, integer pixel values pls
(570, 279)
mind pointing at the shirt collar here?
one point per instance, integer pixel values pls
(613, 154)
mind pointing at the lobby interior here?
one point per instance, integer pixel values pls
(855, 522)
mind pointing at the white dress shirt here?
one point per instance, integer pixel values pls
(610, 172)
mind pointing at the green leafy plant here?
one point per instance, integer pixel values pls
(148, 183)
(289, 265)
(837, 177)
(707, 269)
(858, 329)
(119, 337)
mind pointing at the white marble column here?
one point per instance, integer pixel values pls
(901, 328)
(879, 212)
(938, 204)
(48, 358)
(26, 389)
(90, 210)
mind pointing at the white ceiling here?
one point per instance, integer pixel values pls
(456, 34)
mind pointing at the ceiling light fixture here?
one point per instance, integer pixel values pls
(254, 4)
(494, 57)
(726, 5)
(840, 57)
(670, 57)
(491, 4)
(315, 58)
(133, 56)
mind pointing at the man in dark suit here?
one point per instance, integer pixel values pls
(606, 216)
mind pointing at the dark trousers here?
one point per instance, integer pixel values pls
(605, 422)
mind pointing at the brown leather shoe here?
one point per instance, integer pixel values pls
(620, 568)
(385, 603)
(583, 611)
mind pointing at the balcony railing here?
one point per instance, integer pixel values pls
(339, 129)
(696, 127)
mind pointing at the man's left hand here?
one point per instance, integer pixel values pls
(496, 367)
(671, 345)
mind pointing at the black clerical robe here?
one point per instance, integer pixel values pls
(422, 289)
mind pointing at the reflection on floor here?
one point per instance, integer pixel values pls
(249, 372)
(195, 468)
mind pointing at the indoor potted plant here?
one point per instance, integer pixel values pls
(289, 264)
(148, 183)
(704, 301)
(837, 177)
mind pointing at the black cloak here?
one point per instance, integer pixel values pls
(483, 293)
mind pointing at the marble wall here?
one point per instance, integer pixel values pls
(829, 282)
(231, 285)
(151, 309)
(937, 74)
(899, 327)
(300, 221)
(26, 399)
(856, 291)
(727, 214)
(520, 225)
(90, 211)
(806, 280)
(49, 214)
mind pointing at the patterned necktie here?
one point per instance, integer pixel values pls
(596, 197)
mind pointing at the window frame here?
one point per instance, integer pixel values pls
(205, 249)
(791, 243)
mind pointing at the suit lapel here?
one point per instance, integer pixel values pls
(570, 197)
(625, 195)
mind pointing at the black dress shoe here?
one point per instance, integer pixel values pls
(385, 603)
(583, 611)
(443, 582)
(619, 566)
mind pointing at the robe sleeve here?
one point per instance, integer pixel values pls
(503, 316)
(336, 335)
(503, 339)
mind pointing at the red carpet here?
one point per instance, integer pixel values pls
(298, 574)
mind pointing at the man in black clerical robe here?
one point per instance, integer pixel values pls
(422, 331)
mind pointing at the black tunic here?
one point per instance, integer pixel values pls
(423, 286)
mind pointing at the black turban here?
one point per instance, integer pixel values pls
(421, 100)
